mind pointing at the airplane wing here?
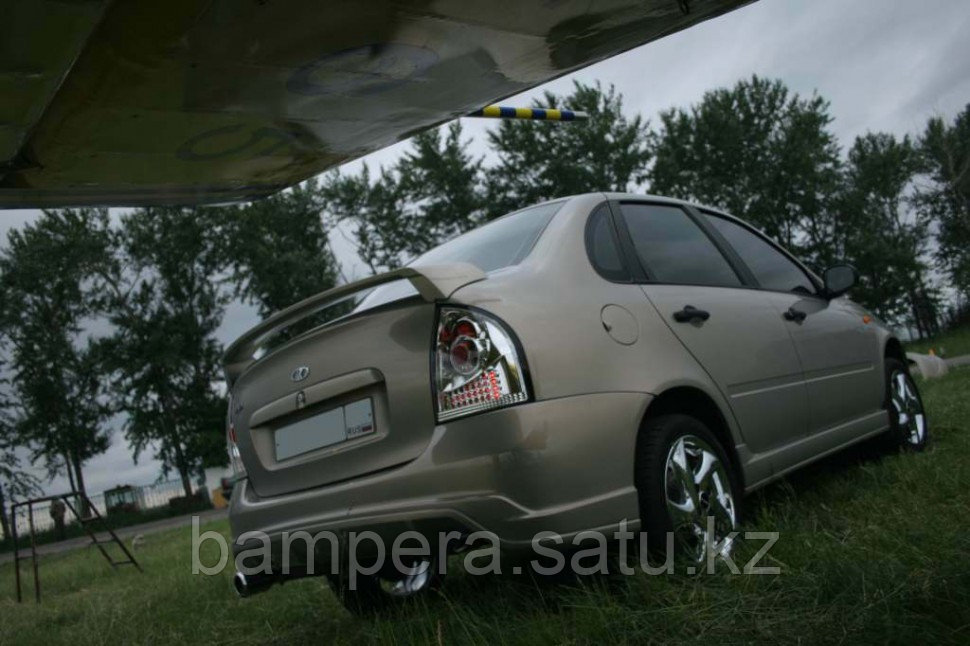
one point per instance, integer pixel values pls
(135, 102)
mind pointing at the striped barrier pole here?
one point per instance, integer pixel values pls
(534, 114)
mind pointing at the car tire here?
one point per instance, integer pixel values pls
(908, 425)
(366, 598)
(673, 451)
(374, 593)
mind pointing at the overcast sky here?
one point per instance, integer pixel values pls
(884, 65)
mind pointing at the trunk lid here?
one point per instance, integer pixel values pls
(346, 399)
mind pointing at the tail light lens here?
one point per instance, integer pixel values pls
(235, 459)
(477, 366)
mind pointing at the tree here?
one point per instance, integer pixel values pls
(165, 305)
(14, 481)
(277, 248)
(759, 152)
(545, 160)
(946, 156)
(430, 195)
(375, 211)
(441, 180)
(881, 234)
(49, 278)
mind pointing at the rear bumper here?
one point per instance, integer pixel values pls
(562, 465)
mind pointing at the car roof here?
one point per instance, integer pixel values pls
(662, 199)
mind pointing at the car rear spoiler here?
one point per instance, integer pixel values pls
(433, 282)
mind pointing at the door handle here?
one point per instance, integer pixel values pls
(691, 313)
(795, 315)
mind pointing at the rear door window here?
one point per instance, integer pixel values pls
(603, 247)
(673, 249)
(771, 268)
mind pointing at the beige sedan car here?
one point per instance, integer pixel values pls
(577, 365)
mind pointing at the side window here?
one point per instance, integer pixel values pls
(602, 246)
(770, 267)
(673, 249)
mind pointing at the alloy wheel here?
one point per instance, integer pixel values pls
(696, 487)
(908, 408)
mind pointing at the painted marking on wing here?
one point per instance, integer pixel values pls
(531, 114)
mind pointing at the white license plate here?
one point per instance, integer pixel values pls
(356, 419)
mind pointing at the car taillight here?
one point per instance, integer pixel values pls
(477, 366)
(235, 459)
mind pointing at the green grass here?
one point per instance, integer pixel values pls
(872, 549)
(953, 343)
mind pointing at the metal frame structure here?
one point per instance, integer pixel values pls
(87, 523)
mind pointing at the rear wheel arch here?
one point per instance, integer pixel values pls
(694, 402)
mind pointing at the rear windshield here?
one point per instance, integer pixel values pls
(500, 243)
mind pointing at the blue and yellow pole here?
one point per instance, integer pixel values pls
(534, 114)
